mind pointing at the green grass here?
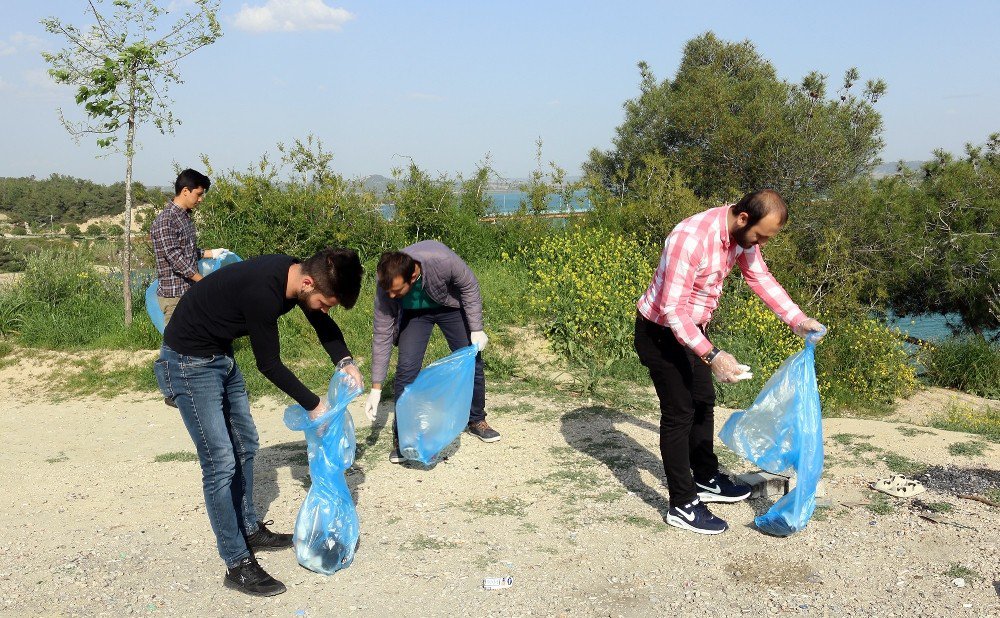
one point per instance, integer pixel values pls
(176, 456)
(970, 364)
(847, 439)
(938, 507)
(880, 504)
(956, 570)
(903, 465)
(984, 422)
(974, 448)
(95, 376)
(912, 432)
(513, 507)
(422, 542)
(993, 495)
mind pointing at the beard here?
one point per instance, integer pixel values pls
(303, 299)
(740, 236)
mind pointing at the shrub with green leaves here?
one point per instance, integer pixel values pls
(860, 364)
(584, 285)
(970, 364)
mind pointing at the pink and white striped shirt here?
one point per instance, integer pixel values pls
(696, 258)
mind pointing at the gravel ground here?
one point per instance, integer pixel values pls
(569, 504)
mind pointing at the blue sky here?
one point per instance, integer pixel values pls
(448, 82)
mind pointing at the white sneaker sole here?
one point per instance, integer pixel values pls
(679, 522)
(487, 440)
(707, 496)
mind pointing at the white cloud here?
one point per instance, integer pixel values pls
(291, 16)
(35, 85)
(19, 41)
(423, 96)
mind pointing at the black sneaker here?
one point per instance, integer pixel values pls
(483, 431)
(720, 489)
(264, 539)
(248, 577)
(395, 456)
(696, 517)
(170, 402)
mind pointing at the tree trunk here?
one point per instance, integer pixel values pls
(127, 253)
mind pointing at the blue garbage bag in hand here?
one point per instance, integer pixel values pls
(326, 529)
(783, 431)
(434, 409)
(205, 268)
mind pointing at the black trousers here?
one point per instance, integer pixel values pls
(684, 386)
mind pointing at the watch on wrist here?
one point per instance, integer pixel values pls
(708, 358)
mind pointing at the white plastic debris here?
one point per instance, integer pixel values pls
(496, 583)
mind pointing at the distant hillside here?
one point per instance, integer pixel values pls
(60, 199)
(376, 183)
(891, 169)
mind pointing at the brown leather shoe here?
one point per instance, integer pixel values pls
(483, 431)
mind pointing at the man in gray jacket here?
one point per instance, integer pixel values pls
(423, 285)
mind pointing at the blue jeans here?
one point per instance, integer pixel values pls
(212, 398)
(415, 331)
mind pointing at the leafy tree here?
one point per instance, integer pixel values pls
(730, 125)
(72, 230)
(948, 256)
(93, 230)
(657, 200)
(121, 67)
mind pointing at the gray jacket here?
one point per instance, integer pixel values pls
(447, 281)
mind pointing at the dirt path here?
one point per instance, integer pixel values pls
(569, 504)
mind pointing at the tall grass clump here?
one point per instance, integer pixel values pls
(970, 364)
(63, 302)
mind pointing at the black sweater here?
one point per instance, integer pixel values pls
(247, 298)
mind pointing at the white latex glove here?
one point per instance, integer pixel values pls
(352, 371)
(726, 368)
(479, 339)
(371, 404)
(219, 254)
(746, 375)
(319, 410)
(810, 329)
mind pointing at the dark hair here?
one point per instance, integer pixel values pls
(394, 264)
(191, 179)
(761, 203)
(337, 272)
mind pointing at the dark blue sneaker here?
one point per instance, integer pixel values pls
(696, 517)
(720, 489)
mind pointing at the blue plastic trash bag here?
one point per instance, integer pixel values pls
(326, 529)
(783, 431)
(434, 409)
(205, 267)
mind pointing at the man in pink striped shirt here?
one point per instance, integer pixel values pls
(670, 341)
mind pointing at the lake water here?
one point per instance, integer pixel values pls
(929, 327)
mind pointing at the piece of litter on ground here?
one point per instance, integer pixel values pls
(959, 582)
(496, 583)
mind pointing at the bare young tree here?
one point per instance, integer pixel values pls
(122, 66)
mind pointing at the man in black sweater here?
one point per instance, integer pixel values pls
(197, 370)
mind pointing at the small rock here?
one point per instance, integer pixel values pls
(958, 582)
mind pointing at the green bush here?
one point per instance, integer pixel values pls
(583, 285)
(860, 364)
(970, 364)
(68, 304)
(93, 230)
(72, 230)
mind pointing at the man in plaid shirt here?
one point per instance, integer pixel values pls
(671, 342)
(174, 245)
